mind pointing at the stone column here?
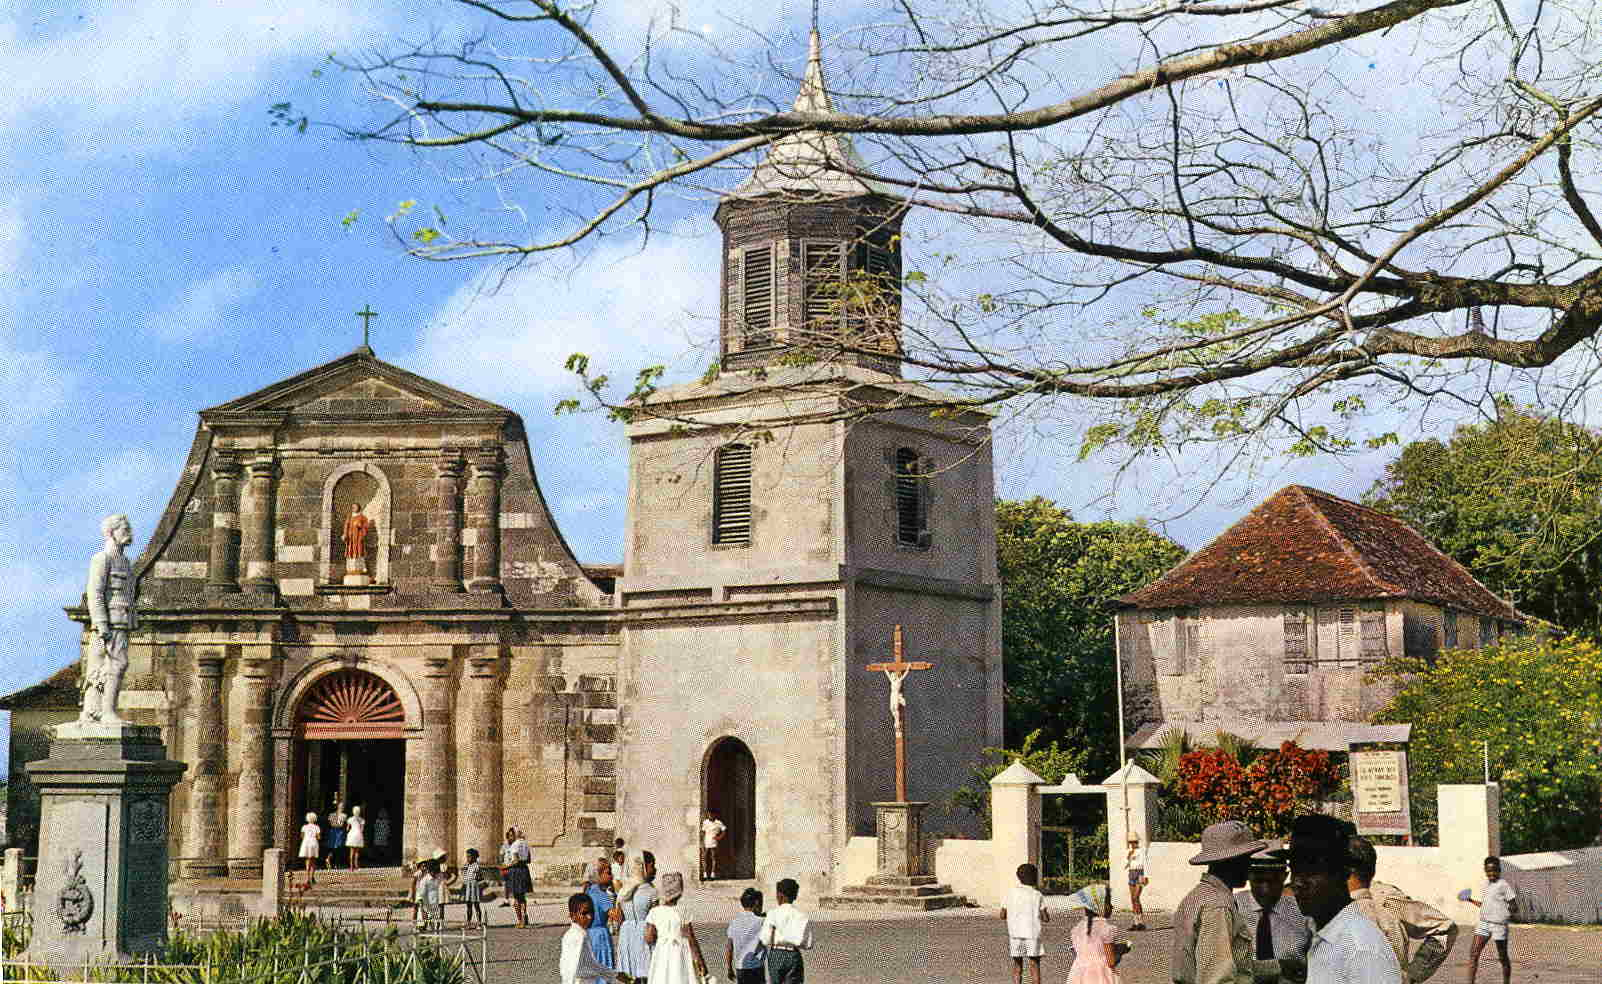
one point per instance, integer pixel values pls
(256, 518)
(448, 513)
(249, 820)
(478, 758)
(431, 815)
(223, 571)
(1131, 808)
(484, 516)
(204, 848)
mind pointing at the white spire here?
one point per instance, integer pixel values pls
(809, 163)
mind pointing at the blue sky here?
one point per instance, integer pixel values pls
(164, 249)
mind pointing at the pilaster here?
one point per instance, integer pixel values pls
(478, 769)
(203, 845)
(256, 519)
(484, 516)
(223, 570)
(448, 513)
(249, 819)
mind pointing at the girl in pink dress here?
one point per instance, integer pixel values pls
(1096, 952)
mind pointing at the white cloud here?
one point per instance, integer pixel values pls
(624, 306)
(132, 74)
(204, 306)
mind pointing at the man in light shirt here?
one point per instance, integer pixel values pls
(786, 931)
(1399, 917)
(1212, 944)
(1280, 936)
(1347, 947)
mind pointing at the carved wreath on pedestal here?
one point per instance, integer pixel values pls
(75, 904)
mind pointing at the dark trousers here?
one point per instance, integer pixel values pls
(748, 975)
(785, 967)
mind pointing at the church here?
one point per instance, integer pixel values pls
(358, 595)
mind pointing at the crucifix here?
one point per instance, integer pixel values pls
(896, 672)
(367, 314)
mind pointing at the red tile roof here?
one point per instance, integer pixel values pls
(1304, 546)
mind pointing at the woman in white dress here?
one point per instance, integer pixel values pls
(310, 835)
(356, 837)
(675, 954)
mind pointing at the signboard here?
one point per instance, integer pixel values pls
(1379, 788)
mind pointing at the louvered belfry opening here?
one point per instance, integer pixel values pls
(757, 294)
(351, 704)
(911, 519)
(824, 285)
(731, 495)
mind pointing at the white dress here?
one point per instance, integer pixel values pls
(671, 960)
(358, 832)
(309, 834)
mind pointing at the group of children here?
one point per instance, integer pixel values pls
(1096, 942)
(756, 942)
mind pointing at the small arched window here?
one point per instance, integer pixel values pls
(912, 499)
(731, 495)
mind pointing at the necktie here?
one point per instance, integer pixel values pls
(1265, 937)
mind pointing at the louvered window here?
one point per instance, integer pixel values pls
(1372, 635)
(731, 495)
(824, 285)
(1449, 630)
(1298, 654)
(912, 509)
(756, 293)
(1487, 630)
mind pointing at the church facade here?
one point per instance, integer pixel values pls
(463, 671)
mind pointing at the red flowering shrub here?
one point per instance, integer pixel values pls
(1267, 794)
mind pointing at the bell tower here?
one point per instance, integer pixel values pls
(811, 252)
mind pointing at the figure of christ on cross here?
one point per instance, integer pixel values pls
(896, 672)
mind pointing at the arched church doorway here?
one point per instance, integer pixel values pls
(350, 749)
(731, 790)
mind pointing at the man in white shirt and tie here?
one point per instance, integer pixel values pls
(1280, 932)
(786, 931)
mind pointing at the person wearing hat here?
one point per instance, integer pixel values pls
(1280, 936)
(1398, 916)
(1212, 945)
(1347, 947)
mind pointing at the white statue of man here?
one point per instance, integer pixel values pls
(111, 617)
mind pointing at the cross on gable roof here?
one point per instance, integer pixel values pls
(1303, 546)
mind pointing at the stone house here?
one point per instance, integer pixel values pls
(476, 674)
(1268, 630)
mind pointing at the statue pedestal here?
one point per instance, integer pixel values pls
(356, 571)
(904, 880)
(101, 890)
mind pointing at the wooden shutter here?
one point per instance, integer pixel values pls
(912, 519)
(823, 284)
(1167, 641)
(1373, 645)
(1487, 630)
(1348, 635)
(1449, 629)
(731, 495)
(1298, 654)
(757, 295)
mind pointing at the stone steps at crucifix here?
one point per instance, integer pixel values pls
(895, 892)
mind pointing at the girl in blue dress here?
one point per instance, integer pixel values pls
(601, 894)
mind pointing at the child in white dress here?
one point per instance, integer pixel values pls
(310, 836)
(675, 955)
(356, 839)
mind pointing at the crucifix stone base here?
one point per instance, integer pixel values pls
(904, 880)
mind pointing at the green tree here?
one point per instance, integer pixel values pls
(1537, 703)
(1060, 583)
(1516, 501)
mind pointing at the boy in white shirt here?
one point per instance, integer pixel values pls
(1024, 910)
(1498, 904)
(578, 963)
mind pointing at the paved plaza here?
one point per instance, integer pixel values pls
(968, 946)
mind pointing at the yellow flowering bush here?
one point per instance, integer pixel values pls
(1537, 701)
